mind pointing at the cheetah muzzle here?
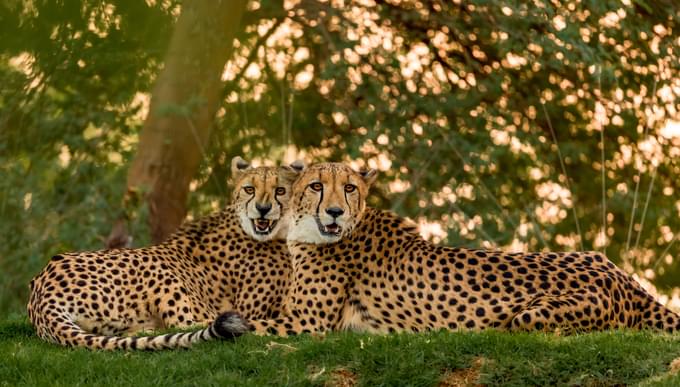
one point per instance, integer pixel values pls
(263, 226)
(331, 230)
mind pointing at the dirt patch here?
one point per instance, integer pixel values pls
(341, 377)
(463, 377)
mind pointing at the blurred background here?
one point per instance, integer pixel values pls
(517, 125)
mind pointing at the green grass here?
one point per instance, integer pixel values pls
(600, 359)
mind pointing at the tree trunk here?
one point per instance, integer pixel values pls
(183, 104)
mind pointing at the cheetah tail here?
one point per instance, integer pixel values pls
(224, 327)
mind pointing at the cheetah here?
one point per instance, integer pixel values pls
(234, 259)
(359, 268)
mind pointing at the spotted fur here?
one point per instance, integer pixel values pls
(215, 264)
(377, 275)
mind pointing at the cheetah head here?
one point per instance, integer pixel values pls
(327, 202)
(261, 197)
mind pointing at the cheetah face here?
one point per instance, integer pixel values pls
(328, 201)
(261, 197)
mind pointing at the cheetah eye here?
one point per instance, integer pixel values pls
(316, 186)
(349, 188)
(280, 191)
(249, 190)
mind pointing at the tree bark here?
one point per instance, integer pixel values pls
(183, 104)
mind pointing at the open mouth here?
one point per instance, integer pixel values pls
(332, 229)
(263, 226)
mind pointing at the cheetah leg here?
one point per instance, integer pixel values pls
(293, 322)
(306, 309)
(576, 311)
(175, 309)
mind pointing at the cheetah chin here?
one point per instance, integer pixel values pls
(309, 229)
(333, 230)
(262, 229)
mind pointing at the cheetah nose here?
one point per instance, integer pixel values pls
(263, 209)
(335, 211)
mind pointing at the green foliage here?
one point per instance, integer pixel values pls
(466, 108)
(65, 126)
(613, 358)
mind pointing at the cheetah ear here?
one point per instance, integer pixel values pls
(238, 166)
(369, 176)
(292, 171)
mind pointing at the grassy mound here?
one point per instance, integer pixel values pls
(346, 359)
